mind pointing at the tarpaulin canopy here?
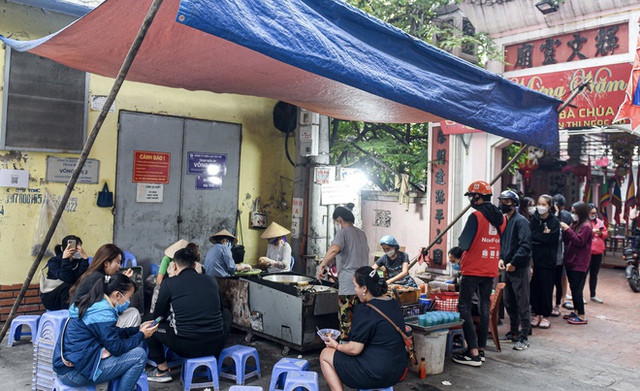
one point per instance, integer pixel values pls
(322, 55)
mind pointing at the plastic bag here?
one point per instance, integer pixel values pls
(45, 217)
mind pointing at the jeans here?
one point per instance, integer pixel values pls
(594, 269)
(128, 367)
(576, 284)
(468, 286)
(516, 300)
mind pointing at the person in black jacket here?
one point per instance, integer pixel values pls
(545, 237)
(560, 278)
(515, 253)
(194, 323)
(67, 266)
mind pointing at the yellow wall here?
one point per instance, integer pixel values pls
(263, 161)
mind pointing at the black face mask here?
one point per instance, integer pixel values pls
(504, 208)
(473, 200)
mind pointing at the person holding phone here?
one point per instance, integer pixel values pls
(69, 264)
(91, 348)
(106, 262)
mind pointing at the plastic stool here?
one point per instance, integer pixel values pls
(58, 386)
(245, 388)
(51, 323)
(128, 258)
(141, 385)
(279, 372)
(16, 328)
(306, 379)
(450, 336)
(189, 367)
(378, 389)
(239, 354)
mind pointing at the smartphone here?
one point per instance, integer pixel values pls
(157, 320)
(72, 243)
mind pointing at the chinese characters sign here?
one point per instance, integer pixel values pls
(151, 167)
(598, 42)
(439, 185)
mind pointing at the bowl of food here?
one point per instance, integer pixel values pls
(326, 334)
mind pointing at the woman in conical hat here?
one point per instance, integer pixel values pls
(219, 261)
(279, 251)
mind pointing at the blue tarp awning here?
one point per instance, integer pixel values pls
(322, 55)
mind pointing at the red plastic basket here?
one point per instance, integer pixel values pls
(446, 301)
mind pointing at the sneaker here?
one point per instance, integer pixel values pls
(481, 354)
(467, 359)
(509, 337)
(569, 297)
(156, 375)
(521, 344)
(568, 305)
(596, 299)
(569, 316)
(577, 320)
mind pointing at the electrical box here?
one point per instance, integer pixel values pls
(309, 129)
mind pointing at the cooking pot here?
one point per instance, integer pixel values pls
(287, 278)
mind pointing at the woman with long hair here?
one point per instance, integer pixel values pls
(106, 262)
(600, 234)
(358, 363)
(577, 255)
(91, 348)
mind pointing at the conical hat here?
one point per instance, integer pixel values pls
(179, 245)
(274, 230)
(223, 234)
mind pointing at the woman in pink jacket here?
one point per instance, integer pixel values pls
(600, 233)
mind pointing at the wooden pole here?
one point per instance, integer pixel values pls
(124, 69)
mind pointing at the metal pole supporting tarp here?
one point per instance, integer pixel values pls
(131, 55)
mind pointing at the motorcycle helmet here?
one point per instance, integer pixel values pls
(479, 187)
(509, 195)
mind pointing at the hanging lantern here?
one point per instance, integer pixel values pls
(526, 168)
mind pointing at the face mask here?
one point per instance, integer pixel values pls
(390, 253)
(77, 255)
(592, 217)
(473, 201)
(504, 208)
(229, 244)
(455, 266)
(120, 308)
(542, 209)
(574, 217)
(338, 227)
(531, 210)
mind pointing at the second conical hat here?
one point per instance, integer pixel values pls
(179, 245)
(274, 230)
(223, 234)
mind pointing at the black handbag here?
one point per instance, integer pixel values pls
(237, 250)
(105, 197)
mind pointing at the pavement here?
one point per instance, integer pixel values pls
(600, 355)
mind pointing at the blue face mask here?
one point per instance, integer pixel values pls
(229, 244)
(120, 308)
(455, 266)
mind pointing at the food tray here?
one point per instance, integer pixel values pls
(412, 321)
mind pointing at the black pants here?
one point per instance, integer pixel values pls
(557, 282)
(542, 291)
(576, 284)
(201, 346)
(594, 269)
(57, 299)
(468, 286)
(516, 300)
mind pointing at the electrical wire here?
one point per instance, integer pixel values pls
(286, 149)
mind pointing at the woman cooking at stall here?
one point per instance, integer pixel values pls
(279, 251)
(396, 263)
(219, 261)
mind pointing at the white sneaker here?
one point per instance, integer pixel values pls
(596, 299)
(569, 297)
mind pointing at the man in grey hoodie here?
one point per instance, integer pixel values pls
(515, 254)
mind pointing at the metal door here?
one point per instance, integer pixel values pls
(146, 229)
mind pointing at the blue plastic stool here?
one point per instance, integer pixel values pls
(189, 367)
(58, 386)
(239, 354)
(141, 385)
(279, 372)
(128, 257)
(246, 388)
(378, 389)
(450, 336)
(306, 379)
(50, 327)
(16, 328)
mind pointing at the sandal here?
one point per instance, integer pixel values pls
(544, 324)
(535, 321)
(555, 311)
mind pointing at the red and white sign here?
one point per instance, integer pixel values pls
(151, 167)
(439, 206)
